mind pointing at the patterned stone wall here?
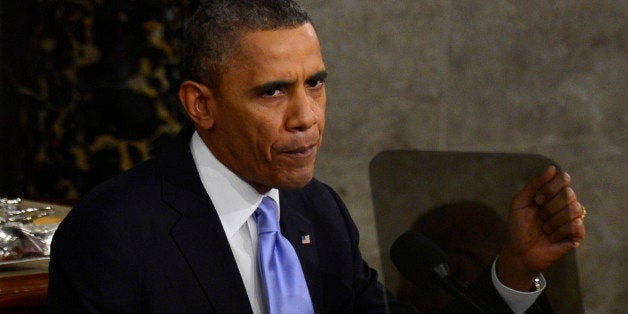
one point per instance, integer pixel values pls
(94, 87)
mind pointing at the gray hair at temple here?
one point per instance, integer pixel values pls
(217, 25)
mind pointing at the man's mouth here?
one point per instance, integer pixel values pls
(301, 152)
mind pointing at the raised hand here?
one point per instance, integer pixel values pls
(545, 222)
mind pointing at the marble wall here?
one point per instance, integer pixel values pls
(547, 77)
(91, 88)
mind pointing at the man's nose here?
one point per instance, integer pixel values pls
(302, 111)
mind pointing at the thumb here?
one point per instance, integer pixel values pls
(527, 195)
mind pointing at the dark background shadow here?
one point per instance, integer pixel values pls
(88, 90)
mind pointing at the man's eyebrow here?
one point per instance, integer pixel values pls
(318, 76)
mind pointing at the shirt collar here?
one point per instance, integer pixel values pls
(234, 199)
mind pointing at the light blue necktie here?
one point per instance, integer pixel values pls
(279, 265)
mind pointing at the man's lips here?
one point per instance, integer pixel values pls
(303, 151)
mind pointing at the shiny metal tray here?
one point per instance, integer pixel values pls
(26, 230)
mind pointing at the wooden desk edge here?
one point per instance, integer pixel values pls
(23, 291)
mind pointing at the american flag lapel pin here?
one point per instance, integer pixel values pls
(305, 239)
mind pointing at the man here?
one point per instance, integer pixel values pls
(179, 233)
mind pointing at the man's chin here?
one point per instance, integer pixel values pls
(282, 183)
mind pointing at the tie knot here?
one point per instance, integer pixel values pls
(266, 216)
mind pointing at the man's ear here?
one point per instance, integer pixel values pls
(197, 99)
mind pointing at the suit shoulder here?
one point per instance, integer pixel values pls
(317, 195)
(129, 187)
(317, 187)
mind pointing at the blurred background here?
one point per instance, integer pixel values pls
(88, 89)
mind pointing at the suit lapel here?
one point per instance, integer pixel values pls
(299, 231)
(199, 233)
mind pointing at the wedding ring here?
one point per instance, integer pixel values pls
(584, 213)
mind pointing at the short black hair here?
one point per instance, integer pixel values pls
(217, 25)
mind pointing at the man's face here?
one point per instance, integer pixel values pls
(269, 111)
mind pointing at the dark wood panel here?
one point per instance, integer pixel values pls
(23, 294)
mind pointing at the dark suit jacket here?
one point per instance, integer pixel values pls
(150, 241)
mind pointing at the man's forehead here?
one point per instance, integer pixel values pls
(277, 41)
(277, 51)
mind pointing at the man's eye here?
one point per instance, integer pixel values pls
(316, 83)
(272, 92)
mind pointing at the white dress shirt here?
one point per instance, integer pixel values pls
(519, 301)
(235, 201)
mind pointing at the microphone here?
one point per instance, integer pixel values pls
(415, 255)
